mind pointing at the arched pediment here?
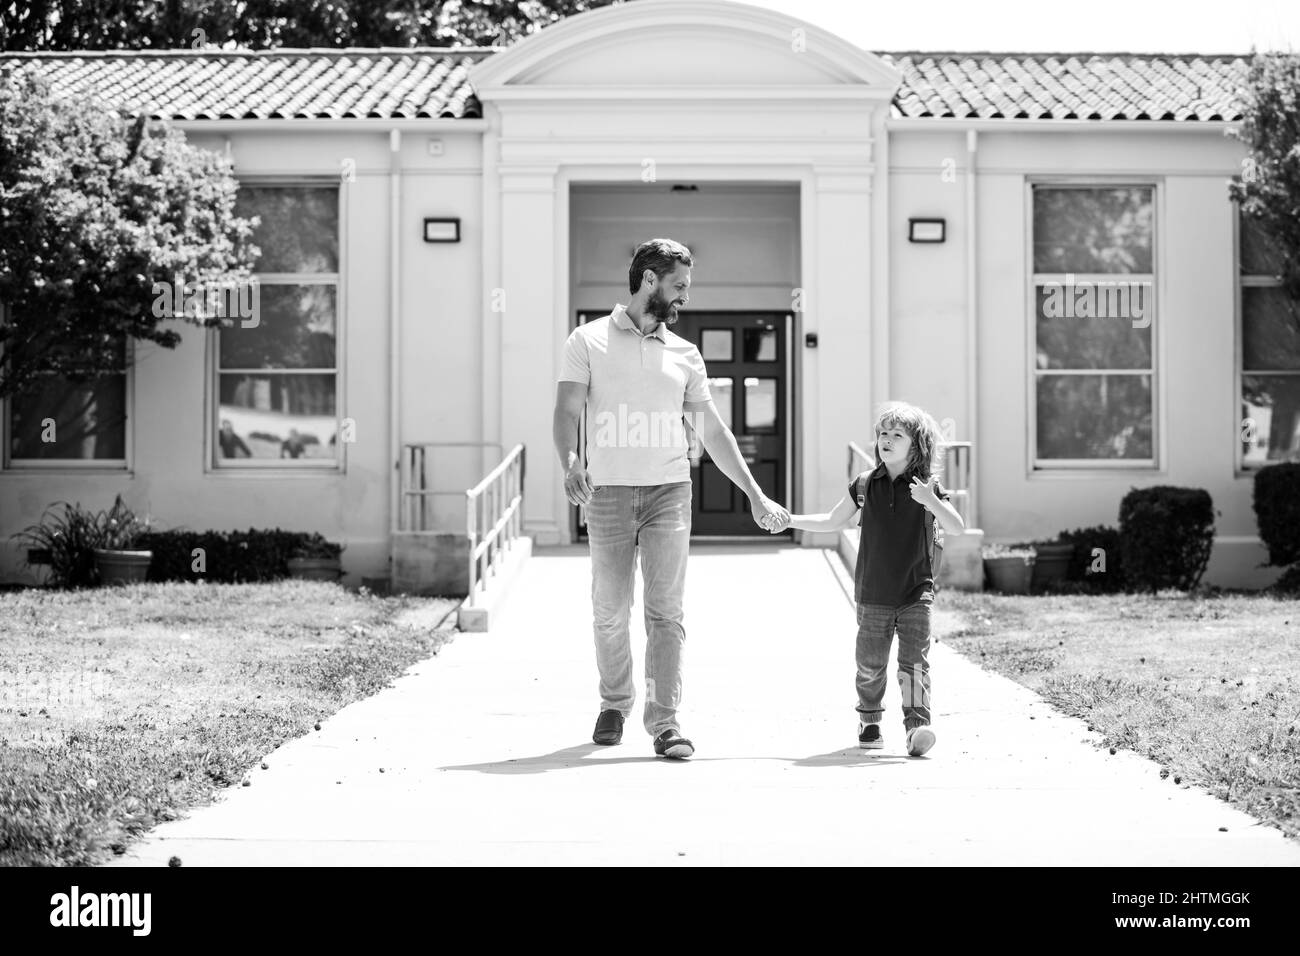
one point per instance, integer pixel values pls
(682, 48)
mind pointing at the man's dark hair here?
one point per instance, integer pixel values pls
(661, 255)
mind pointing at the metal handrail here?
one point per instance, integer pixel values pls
(503, 492)
(858, 455)
(415, 492)
(956, 470)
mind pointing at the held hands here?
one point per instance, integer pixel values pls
(770, 516)
(923, 491)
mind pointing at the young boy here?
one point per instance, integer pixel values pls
(901, 500)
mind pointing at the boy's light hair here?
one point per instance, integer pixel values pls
(925, 459)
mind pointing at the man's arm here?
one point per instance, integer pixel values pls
(721, 445)
(569, 400)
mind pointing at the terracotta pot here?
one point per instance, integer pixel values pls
(122, 567)
(1052, 562)
(1009, 575)
(315, 569)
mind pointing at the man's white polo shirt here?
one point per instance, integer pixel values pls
(636, 385)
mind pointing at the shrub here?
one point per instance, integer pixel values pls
(1288, 585)
(315, 546)
(1276, 500)
(229, 557)
(1085, 540)
(1166, 535)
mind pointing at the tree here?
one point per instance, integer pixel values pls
(266, 24)
(1268, 192)
(93, 211)
(1268, 188)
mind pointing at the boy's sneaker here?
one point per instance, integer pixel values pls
(609, 728)
(673, 745)
(869, 736)
(919, 740)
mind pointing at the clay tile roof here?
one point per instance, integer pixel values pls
(1111, 86)
(282, 84)
(433, 82)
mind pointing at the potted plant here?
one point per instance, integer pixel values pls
(316, 559)
(1009, 568)
(65, 543)
(1052, 560)
(116, 557)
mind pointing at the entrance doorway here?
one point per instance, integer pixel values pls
(747, 355)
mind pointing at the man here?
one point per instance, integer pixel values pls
(637, 380)
(231, 444)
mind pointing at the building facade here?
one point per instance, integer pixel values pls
(1038, 248)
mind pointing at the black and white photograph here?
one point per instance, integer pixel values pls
(652, 433)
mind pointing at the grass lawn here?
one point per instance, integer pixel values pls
(1208, 687)
(122, 707)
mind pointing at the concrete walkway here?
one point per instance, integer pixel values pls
(487, 759)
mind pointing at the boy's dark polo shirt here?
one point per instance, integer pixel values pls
(896, 545)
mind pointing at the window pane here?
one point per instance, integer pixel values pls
(1270, 413)
(296, 330)
(1094, 416)
(1091, 325)
(1270, 329)
(1258, 253)
(89, 420)
(760, 345)
(299, 231)
(721, 389)
(760, 404)
(715, 345)
(1093, 230)
(277, 416)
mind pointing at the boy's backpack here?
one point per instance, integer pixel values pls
(933, 530)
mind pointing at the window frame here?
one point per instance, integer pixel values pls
(1242, 468)
(214, 464)
(1036, 467)
(115, 466)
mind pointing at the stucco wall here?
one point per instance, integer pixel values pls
(1196, 406)
(169, 474)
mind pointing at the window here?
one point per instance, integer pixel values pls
(1270, 353)
(277, 377)
(58, 423)
(1093, 310)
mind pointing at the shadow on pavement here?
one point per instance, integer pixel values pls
(851, 757)
(565, 759)
(572, 757)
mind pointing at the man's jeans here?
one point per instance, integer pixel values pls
(657, 519)
(876, 624)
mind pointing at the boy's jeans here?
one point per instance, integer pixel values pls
(876, 624)
(657, 519)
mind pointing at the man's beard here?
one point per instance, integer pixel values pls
(660, 307)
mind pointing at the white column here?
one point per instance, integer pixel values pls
(529, 350)
(840, 305)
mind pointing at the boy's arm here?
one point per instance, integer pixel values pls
(947, 516)
(841, 516)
